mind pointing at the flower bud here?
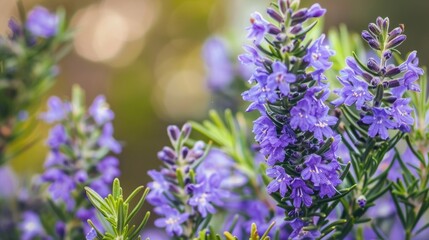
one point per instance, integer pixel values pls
(282, 6)
(184, 152)
(373, 65)
(361, 201)
(186, 130)
(396, 41)
(374, 44)
(300, 16)
(379, 22)
(173, 133)
(315, 11)
(385, 25)
(394, 83)
(281, 38)
(296, 29)
(275, 15)
(273, 29)
(387, 54)
(374, 29)
(367, 36)
(394, 33)
(302, 88)
(392, 72)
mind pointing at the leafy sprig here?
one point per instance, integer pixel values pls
(115, 211)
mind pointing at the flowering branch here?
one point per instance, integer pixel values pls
(294, 131)
(372, 103)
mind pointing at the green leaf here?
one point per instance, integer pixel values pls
(138, 206)
(116, 190)
(133, 194)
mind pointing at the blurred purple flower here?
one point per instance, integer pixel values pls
(31, 226)
(9, 182)
(42, 23)
(258, 29)
(219, 68)
(100, 111)
(91, 235)
(172, 220)
(58, 110)
(57, 136)
(106, 139)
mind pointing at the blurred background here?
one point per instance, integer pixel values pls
(146, 57)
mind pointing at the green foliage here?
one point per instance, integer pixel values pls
(410, 193)
(254, 234)
(231, 135)
(115, 211)
(27, 71)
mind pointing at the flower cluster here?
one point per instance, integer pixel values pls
(377, 89)
(183, 193)
(79, 152)
(295, 129)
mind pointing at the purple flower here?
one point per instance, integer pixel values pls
(218, 65)
(91, 235)
(218, 162)
(61, 187)
(54, 158)
(57, 137)
(281, 180)
(106, 139)
(261, 92)
(407, 83)
(271, 144)
(41, 23)
(322, 126)
(9, 182)
(355, 91)
(299, 233)
(301, 116)
(89, 213)
(380, 123)
(280, 78)
(202, 199)
(100, 187)
(58, 110)
(158, 188)
(251, 56)
(31, 226)
(100, 111)
(109, 167)
(318, 56)
(315, 171)
(81, 176)
(412, 64)
(60, 229)
(172, 220)
(259, 27)
(16, 29)
(401, 112)
(315, 11)
(327, 188)
(301, 193)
